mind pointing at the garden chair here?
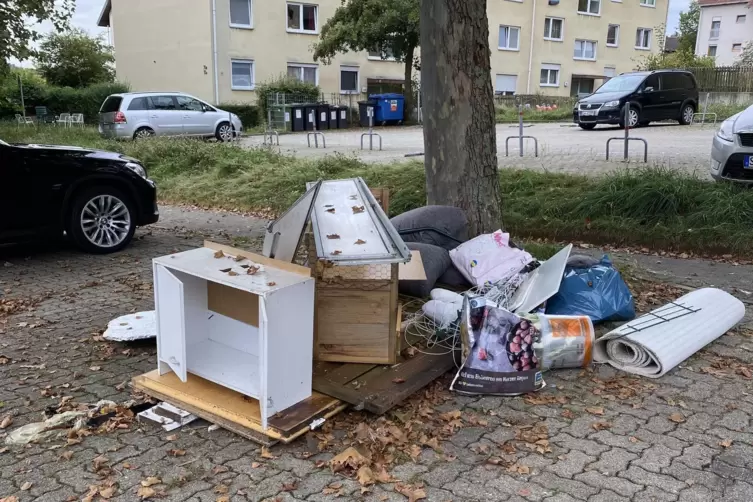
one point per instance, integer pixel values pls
(77, 119)
(63, 118)
(23, 120)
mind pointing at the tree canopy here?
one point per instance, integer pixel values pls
(688, 28)
(17, 18)
(75, 59)
(746, 56)
(682, 58)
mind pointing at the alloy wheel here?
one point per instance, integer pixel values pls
(633, 118)
(143, 133)
(105, 221)
(226, 132)
(687, 114)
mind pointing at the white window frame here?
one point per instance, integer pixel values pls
(588, 5)
(379, 58)
(648, 3)
(562, 29)
(616, 36)
(550, 68)
(650, 34)
(302, 66)
(741, 16)
(300, 5)
(499, 41)
(716, 51)
(248, 26)
(584, 58)
(733, 47)
(357, 71)
(614, 72)
(714, 34)
(253, 74)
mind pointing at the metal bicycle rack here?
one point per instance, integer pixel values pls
(270, 134)
(521, 137)
(315, 133)
(627, 139)
(371, 133)
(704, 113)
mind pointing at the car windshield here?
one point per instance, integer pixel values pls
(623, 83)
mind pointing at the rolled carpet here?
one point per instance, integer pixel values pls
(656, 342)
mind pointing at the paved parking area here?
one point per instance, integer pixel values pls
(601, 436)
(562, 147)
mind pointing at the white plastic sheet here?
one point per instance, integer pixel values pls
(138, 326)
(654, 343)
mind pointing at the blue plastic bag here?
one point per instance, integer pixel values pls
(597, 291)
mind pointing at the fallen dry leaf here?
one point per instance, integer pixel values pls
(219, 469)
(95, 368)
(255, 465)
(107, 492)
(365, 476)
(146, 492)
(331, 210)
(358, 209)
(252, 270)
(398, 380)
(265, 453)
(232, 273)
(337, 252)
(26, 486)
(413, 493)
(9, 499)
(360, 242)
(289, 487)
(335, 489)
(150, 481)
(121, 385)
(349, 460)
(519, 468)
(99, 462)
(726, 443)
(633, 439)
(171, 437)
(176, 452)
(6, 422)
(567, 414)
(333, 236)
(219, 254)
(3, 449)
(677, 418)
(742, 370)
(270, 284)
(220, 489)
(600, 426)
(240, 257)
(595, 411)
(223, 498)
(66, 455)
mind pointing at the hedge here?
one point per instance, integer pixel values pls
(249, 114)
(295, 90)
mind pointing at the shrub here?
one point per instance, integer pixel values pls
(300, 92)
(249, 114)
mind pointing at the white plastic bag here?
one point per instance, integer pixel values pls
(488, 259)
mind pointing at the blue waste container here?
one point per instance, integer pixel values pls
(389, 108)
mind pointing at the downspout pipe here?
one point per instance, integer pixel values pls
(530, 49)
(215, 69)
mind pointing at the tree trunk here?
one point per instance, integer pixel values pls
(458, 111)
(409, 84)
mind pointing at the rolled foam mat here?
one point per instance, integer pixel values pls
(656, 342)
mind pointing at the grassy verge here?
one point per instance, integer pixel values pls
(505, 115)
(649, 207)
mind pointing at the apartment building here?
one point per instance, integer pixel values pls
(220, 50)
(724, 28)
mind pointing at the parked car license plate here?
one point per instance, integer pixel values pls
(590, 113)
(748, 162)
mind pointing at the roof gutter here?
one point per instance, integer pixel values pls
(530, 51)
(215, 70)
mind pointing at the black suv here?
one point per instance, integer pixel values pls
(653, 95)
(97, 198)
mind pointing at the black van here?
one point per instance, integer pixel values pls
(653, 95)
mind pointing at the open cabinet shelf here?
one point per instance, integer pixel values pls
(252, 333)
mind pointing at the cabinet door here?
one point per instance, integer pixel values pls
(171, 329)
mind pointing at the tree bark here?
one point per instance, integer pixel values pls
(458, 111)
(409, 83)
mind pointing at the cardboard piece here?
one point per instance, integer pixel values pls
(413, 270)
(167, 415)
(542, 284)
(285, 234)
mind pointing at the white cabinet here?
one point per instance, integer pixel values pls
(252, 333)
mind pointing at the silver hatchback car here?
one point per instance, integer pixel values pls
(133, 115)
(732, 149)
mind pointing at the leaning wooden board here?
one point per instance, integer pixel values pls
(377, 388)
(235, 412)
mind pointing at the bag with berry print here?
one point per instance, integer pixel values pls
(506, 354)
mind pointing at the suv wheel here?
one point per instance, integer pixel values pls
(102, 220)
(587, 127)
(225, 132)
(686, 116)
(633, 118)
(142, 133)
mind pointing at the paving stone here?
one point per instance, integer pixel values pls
(469, 490)
(655, 458)
(654, 494)
(444, 473)
(571, 464)
(575, 488)
(699, 493)
(467, 436)
(603, 481)
(613, 461)
(587, 446)
(608, 496)
(611, 439)
(644, 477)
(739, 491)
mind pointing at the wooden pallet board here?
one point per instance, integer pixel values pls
(234, 411)
(377, 388)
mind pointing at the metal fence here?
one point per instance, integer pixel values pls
(534, 101)
(724, 78)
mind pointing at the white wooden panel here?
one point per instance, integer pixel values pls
(235, 334)
(171, 335)
(194, 307)
(287, 334)
(226, 366)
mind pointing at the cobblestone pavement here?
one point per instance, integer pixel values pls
(685, 437)
(562, 147)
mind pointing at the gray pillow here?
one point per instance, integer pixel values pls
(453, 277)
(436, 261)
(443, 226)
